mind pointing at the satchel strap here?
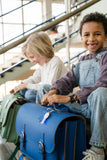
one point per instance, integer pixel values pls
(68, 139)
(43, 149)
(14, 153)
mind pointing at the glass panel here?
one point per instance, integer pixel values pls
(11, 31)
(14, 23)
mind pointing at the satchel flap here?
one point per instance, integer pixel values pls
(6, 105)
(28, 121)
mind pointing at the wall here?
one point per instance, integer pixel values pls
(98, 7)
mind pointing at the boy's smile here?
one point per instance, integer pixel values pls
(93, 36)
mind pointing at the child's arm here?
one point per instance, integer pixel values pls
(55, 70)
(51, 98)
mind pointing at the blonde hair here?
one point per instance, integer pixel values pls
(39, 44)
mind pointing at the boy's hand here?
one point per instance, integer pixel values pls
(45, 98)
(58, 99)
(51, 99)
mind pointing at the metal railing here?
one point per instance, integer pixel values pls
(17, 8)
(58, 41)
(48, 26)
(45, 22)
(19, 63)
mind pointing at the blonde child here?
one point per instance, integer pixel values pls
(38, 49)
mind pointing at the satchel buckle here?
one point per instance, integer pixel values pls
(42, 149)
(23, 139)
(41, 146)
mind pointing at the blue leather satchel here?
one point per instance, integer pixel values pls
(48, 133)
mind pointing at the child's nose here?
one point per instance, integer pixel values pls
(92, 37)
(33, 60)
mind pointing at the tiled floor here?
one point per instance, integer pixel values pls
(6, 150)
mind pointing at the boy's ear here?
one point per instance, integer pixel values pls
(81, 38)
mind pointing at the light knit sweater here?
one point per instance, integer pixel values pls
(46, 74)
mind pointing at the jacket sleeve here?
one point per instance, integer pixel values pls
(65, 84)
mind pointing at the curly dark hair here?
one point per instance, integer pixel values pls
(96, 17)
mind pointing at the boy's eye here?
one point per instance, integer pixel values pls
(86, 35)
(97, 34)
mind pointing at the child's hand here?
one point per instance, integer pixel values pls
(11, 91)
(44, 100)
(58, 99)
(18, 88)
(51, 99)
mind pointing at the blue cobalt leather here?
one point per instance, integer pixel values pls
(60, 137)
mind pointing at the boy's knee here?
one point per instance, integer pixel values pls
(99, 92)
(98, 96)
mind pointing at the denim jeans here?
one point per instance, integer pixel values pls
(87, 73)
(41, 91)
(35, 96)
(96, 111)
(29, 94)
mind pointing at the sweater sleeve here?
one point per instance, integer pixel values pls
(57, 70)
(53, 70)
(34, 80)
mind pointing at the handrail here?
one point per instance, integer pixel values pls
(63, 38)
(58, 41)
(19, 63)
(34, 1)
(57, 21)
(49, 20)
(76, 56)
(13, 66)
